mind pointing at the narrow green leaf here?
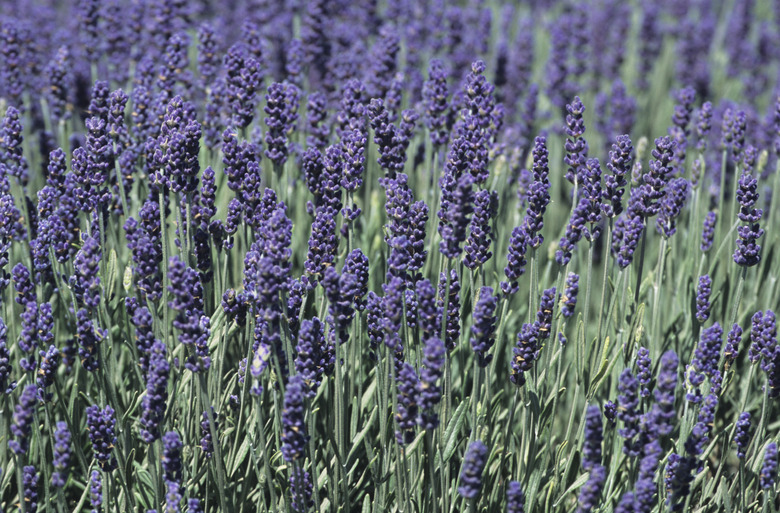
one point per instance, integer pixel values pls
(453, 428)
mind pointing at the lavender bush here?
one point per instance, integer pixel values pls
(389, 256)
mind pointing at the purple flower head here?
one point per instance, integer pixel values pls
(742, 434)
(703, 298)
(708, 230)
(431, 371)
(6, 386)
(591, 186)
(544, 314)
(733, 341)
(576, 146)
(354, 146)
(569, 298)
(436, 103)
(477, 249)
(11, 144)
(484, 327)
(575, 229)
(768, 474)
(30, 480)
(663, 413)
(515, 265)
(705, 359)
(62, 454)
(294, 437)
(23, 417)
(50, 359)
(538, 193)
(619, 165)
(748, 252)
(406, 417)
(383, 58)
(515, 500)
(590, 493)
(660, 171)
(455, 218)
(471, 473)
(628, 413)
(671, 206)
(317, 129)
(187, 301)
(85, 281)
(244, 77)
(206, 440)
(155, 401)
(703, 126)
(323, 244)
(281, 111)
(525, 352)
(300, 489)
(591, 447)
(756, 337)
(100, 423)
(171, 457)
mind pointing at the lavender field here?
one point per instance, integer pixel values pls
(359, 256)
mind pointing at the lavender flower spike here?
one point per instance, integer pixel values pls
(471, 473)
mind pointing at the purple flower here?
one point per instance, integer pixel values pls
(206, 440)
(300, 489)
(663, 413)
(703, 126)
(62, 454)
(742, 434)
(100, 424)
(671, 206)
(619, 165)
(538, 193)
(49, 361)
(569, 298)
(452, 331)
(430, 391)
(23, 417)
(574, 231)
(591, 447)
(30, 483)
(525, 352)
(748, 252)
(281, 111)
(733, 340)
(436, 104)
(11, 144)
(314, 358)
(471, 472)
(85, 281)
(96, 491)
(655, 180)
(576, 146)
(590, 493)
(477, 249)
(154, 402)
(515, 500)
(244, 78)
(643, 364)
(187, 301)
(544, 314)
(171, 457)
(406, 417)
(768, 474)
(628, 413)
(708, 230)
(703, 298)
(294, 437)
(318, 130)
(484, 326)
(515, 265)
